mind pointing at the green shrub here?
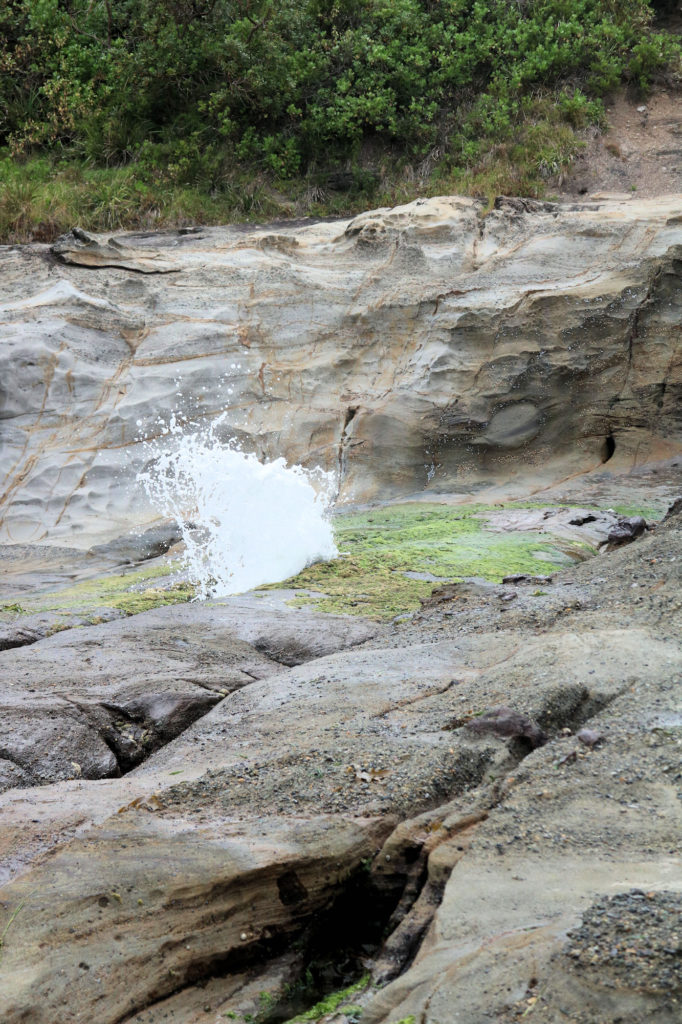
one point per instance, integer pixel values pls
(200, 93)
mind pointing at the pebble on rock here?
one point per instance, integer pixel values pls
(590, 737)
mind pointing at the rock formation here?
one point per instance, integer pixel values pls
(222, 810)
(175, 892)
(435, 347)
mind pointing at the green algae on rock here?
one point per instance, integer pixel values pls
(390, 559)
(334, 1001)
(384, 551)
(130, 592)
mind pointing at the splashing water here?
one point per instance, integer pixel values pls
(244, 522)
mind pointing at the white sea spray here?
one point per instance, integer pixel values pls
(244, 522)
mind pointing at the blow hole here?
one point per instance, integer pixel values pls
(337, 943)
(608, 448)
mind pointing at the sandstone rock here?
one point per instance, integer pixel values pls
(94, 701)
(87, 251)
(28, 629)
(424, 347)
(104, 697)
(674, 510)
(289, 635)
(565, 831)
(600, 528)
(179, 807)
(248, 822)
(242, 995)
(27, 568)
(138, 547)
(175, 909)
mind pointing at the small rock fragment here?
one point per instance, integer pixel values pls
(504, 721)
(590, 737)
(626, 529)
(523, 578)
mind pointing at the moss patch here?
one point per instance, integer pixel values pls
(333, 1001)
(379, 547)
(131, 592)
(383, 552)
(649, 513)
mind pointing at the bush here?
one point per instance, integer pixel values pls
(194, 92)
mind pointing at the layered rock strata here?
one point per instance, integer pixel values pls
(434, 346)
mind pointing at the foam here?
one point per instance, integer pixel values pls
(244, 522)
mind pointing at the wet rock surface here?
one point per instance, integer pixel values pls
(287, 634)
(138, 546)
(96, 700)
(92, 702)
(181, 883)
(28, 629)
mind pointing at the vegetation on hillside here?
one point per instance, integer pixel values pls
(124, 112)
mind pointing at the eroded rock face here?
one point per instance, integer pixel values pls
(150, 891)
(428, 346)
(95, 701)
(87, 251)
(188, 789)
